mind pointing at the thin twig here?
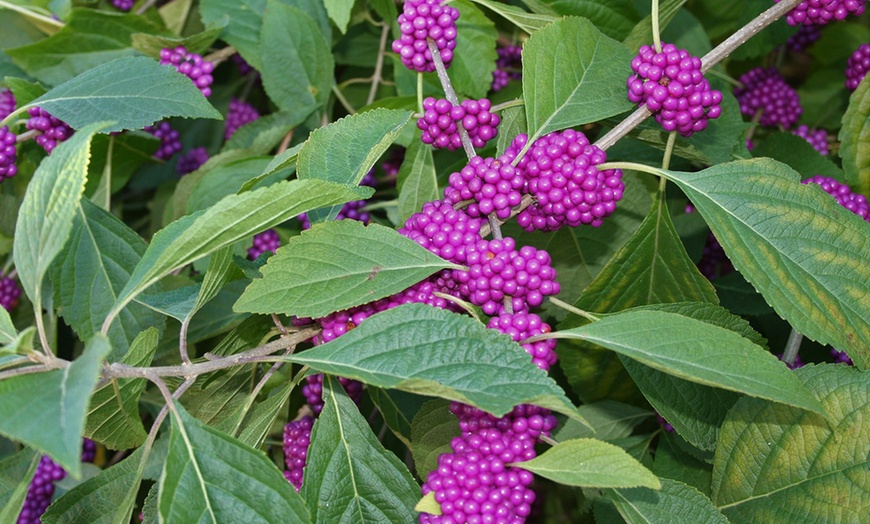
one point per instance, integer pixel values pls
(451, 95)
(379, 65)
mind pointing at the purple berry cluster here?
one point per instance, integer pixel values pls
(664, 423)
(806, 36)
(818, 138)
(170, 140)
(765, 91)
(51, 130)
(266, 241)
(243, 65)
(443, 230)
(714, 263)
(313, 391)
(673, 88)
(521, 326)
(508, 66)
(40, 491)
(297, 438)
(8, 154)
(840, 357)
(9, 293)
(475, 483)
(239, 114)
(854, 202)
(820, 12)
(441, 120)
(423, 20)
(123, 5)
(191, 161)
(191, 65)
(857, 66)
(7, 103)
(494, 186)
(89, 450)
(561, 174)
(798, 363)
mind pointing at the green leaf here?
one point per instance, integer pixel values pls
(474, 57)
(89, 38)
(230, 220)
(339, 11)
(212, 477)
(47, 410)
(417, 182)
(432, 429)
(176, 303)
(301, 65)
(113, 415)
(528, 22)
(777, 464)
(221, 270)
(614, 18)
(345, 150)
(855, 138)
(642, 34)
(397, 409)
(45, 218)
(607, 419)
(132, 92)
(101, 254)
(475, 365)
(224, 180)
(272, 127)
(798, 154)
(151, 45)
(7, 330)
(24, 91)
(672, 463)
(572, 75)
(684, 347)
(258, 421)
(349, 476)
(367, 263)
(107, 498)
(245, 18)
(590, 463)
(794, 243)
(675, 503)
(16, 473)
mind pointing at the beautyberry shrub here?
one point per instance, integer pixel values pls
(423, 20)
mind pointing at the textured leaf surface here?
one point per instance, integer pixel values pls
(608, 420)
(572, 75)
(431, 431)
(300, 71)
(335, 266)
(350, 477)
(131, 92)
(233, 218)
(16, 471)
(47, 410)
(699, 352)
(474, 57)
(798, 154)
(101, 254)
(211, 477)
(339, 12)
(45, 218)
(674, 503)
(113, 414)
(472, 364)
(258, 421)
(855, 138)
(398, 408)
(7, 329)
(794, 243)
(245, 18)
(151, 45)
(673, 463)
(107, 498)
(777, 464)
(417, 182)
(591, 463)
(528, 22)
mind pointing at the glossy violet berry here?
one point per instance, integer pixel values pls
(297, 438)
(170, 140)
(820, 12)
(443, 230)
(818, 138)
(840, 357)
(266, 241)
(508, 66)
(40, 491)
(123, 5)
(239, 114)
(857, 66)
(854, 202)
(8, 154)
(7, 103)
(423, 20)
(494, 185)
(191, 65)
(806, 36)
(437, 124)
(51, 130)
(313, 391)
(9, 293)
(673, 88)
(191, 161)
(765, 91)
(521, 326)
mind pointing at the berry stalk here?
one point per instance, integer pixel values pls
(451, 95)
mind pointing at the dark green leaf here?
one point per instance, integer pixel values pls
(259, 419)
(528, 22)
(16, 472)
(614, 18)
(798, 154)
(671, 463)
(24, 91)
(398, 409)
(432, 429)
(417, 182)
(641, 34)
(267, 128)
(855, 138)
(608, 420)
(151, 45)
(675, 503)
(474, 57)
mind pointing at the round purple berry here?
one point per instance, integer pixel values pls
(191, 65)
(854, 202)
(673, 88)
(423, 20)
(805, 37)
(508, 66)
(313, 391)
(443, 230)
(857, 66)
(191, 161)
(51, 130)
(266, 241)
(7, 103)
(297, 438)
(170, 140)
(820, 12)
(765, 91)
(243, 65)
(123, 5)
(840, 357)
(818, 138)
(521, 326)
(40, 491)
(239, 114)
(8, 154)
(493, 184)
(89, 450)
(9, 293)
(438, 126)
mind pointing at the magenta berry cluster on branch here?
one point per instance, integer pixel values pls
(7, 103)
(297, 438)
(123, 5)
(423, 20)
(671, 85)
(8, 154)
(239, 114)
(818, 138)
(806, 36)
(857, 66)
(41, 489)
(521, 326)
(191, 65)
(266, 241)
(766, 92)
(191, 161)
(820, 12)
(494, 185)
(508, 66)
(854, 202)
(313, 391)
(170, 140)
(52, 131)
(441, 121)
(9, 293)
